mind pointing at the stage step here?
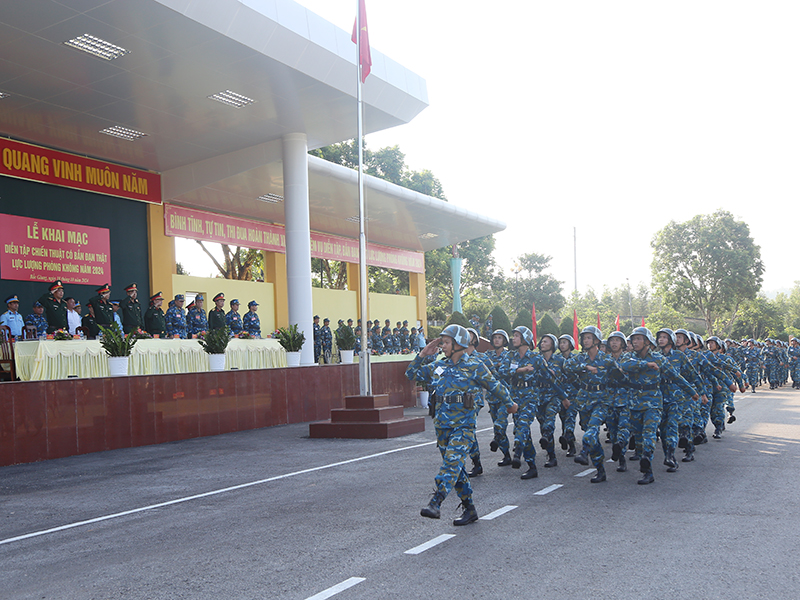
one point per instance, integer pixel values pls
(367, 417)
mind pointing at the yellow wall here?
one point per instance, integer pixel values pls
(161, 251)
(244, 291)
(394, 307)
(275, 273)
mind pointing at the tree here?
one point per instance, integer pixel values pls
(243, 264)
(458, 319)
(500, 320)
(532, 285)
(566, 326)
(523, 319)
(758, 318)
(547, 325)
(708, 264)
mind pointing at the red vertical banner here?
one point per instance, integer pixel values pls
(616, 323)
(598, 322)
(575, 325)
(533, 329)
(364, 58)
(643, 325)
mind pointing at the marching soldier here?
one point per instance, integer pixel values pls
(454, 380)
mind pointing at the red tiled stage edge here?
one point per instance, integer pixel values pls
(44, 420)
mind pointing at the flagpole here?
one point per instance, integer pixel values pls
(364, 371)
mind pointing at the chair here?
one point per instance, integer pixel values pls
(84, 330)
(30, 333)
(7, 354)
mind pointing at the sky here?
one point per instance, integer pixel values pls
(607, 119)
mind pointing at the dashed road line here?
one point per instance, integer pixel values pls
(430, 544)
(339, 587)
(548, 489)
(585, 473)
(498, 512)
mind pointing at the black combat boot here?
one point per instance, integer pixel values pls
(647, 477)
(506, 460)
(543, 443)
(717, 433)
(732, 417)
(552, 461)
(470, 515)
(493, 445)
(571, 448)
(531, 473)
(673, 464)
(433, 510)
(623, 466)
(516, 462)
(616, 452)
(477, 468)
(646, 470)
(563, 441)
(683, 442)
(600, 475)
(689, 454)
(632, 443)
(582, 458)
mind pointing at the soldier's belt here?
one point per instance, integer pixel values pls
(644, 386)
(522, 384)
(465, 399)
(596, 387)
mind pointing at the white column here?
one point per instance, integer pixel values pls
(298, 239)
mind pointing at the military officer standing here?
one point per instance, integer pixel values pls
(196, 321)
(55, 309)
(103, 311)
(12, 319)
(233, 319)
(250, 320)
(154, 321)
(176, 319)
(317, 339)
(36, 318)
(454, 381)
(216, 316)
(131, 310)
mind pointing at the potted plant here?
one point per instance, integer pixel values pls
(215, 342)
(292, 341)
(118, 347)
(346, 342)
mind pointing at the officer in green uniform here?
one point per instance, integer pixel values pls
(216, 316)
(103, 311)
(55, 309)
(131, 310)
(154, 322)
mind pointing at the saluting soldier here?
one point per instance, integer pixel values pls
(131, 310)
(454, 381)
(250, 320)
(55, 309)
(103, 311)
(176, 319)
(196, 320)
(216, 316)
(154, 320)
(233, 319)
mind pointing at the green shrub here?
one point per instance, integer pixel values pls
(216, 340)
(290, 338)
(500, 320)
(523, 319)
(115, 343)
(458, 319)
(547, 325)
(566, 327)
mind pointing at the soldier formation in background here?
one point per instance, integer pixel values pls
(643, 389)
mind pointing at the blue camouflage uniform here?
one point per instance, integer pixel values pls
(549, 406)
(619, 413)
(454, 386)
(326, 341)
(499, 417)
(176, 322)
(677, 413)
(794, 363)
(196, 321)
(252, 324)
(38, 321)
(568, 415)
(234, 322)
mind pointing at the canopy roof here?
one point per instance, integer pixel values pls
(298, 69)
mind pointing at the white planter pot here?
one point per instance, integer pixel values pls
(293, 359)
(118, 366)
(347, 356)
(216, 362)
(423, 399)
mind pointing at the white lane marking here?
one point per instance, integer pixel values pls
(498, 512)
(585, 473)
(548, 489)
(339, 587)
(207, 494)
(430, 544)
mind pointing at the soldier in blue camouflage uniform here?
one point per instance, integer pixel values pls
(453, 382)
(405, 341)
(326, 337)
(196, 320)
(646, 370)
(752, 364)
(593, 369)
(472, 352)
(689, 429)
(619, 414)
(176, 319)
(716, 355)
(568, 414)
(233, 319)
(794, 361)
(375, 339)
(37, 319)
(549, 402)
(526, 372)
(317, 340)
(250, 321)
(499, 417)
(677, 405)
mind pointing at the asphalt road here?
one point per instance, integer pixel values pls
(306, 515)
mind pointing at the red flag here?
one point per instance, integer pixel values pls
(598, 322)
(643, 325)
(533, 317)
(365, 59)
(575, 325)
(617, 322)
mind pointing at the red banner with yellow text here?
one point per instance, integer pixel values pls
(26, 161)
(39, 250)
(212, 227)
